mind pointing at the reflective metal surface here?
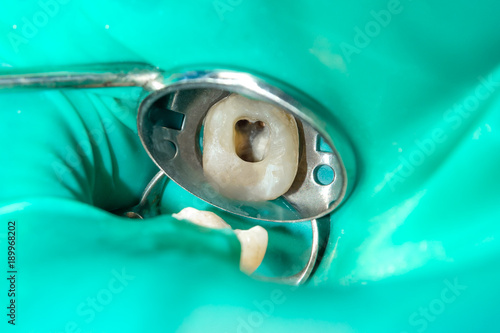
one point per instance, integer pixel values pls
(169, 123)
(303, 275)
(87, 76)
(150, 206)
(307, 194)
(175, 148)
(150, 203)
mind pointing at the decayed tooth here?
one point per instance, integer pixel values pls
(253, 247)
(250, 149)
(253, 241)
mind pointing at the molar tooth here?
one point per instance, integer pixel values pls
(250, 149)
(253, 241)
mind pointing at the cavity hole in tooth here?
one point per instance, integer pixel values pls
(251, 140)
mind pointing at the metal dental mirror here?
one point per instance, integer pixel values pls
(170, 125)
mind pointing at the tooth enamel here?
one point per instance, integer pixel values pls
(202, 218)
(250, 149)
(253, 247)
(253, 241)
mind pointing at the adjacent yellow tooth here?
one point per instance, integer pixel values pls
(253, 247)
(250, 149)
(253, 241)
(202, 218)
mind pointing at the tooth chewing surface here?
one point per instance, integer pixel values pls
(250, 149)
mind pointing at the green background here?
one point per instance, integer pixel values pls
(414, 248)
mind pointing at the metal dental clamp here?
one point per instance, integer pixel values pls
(169, 121)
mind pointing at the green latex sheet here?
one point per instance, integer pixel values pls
(413, 248)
